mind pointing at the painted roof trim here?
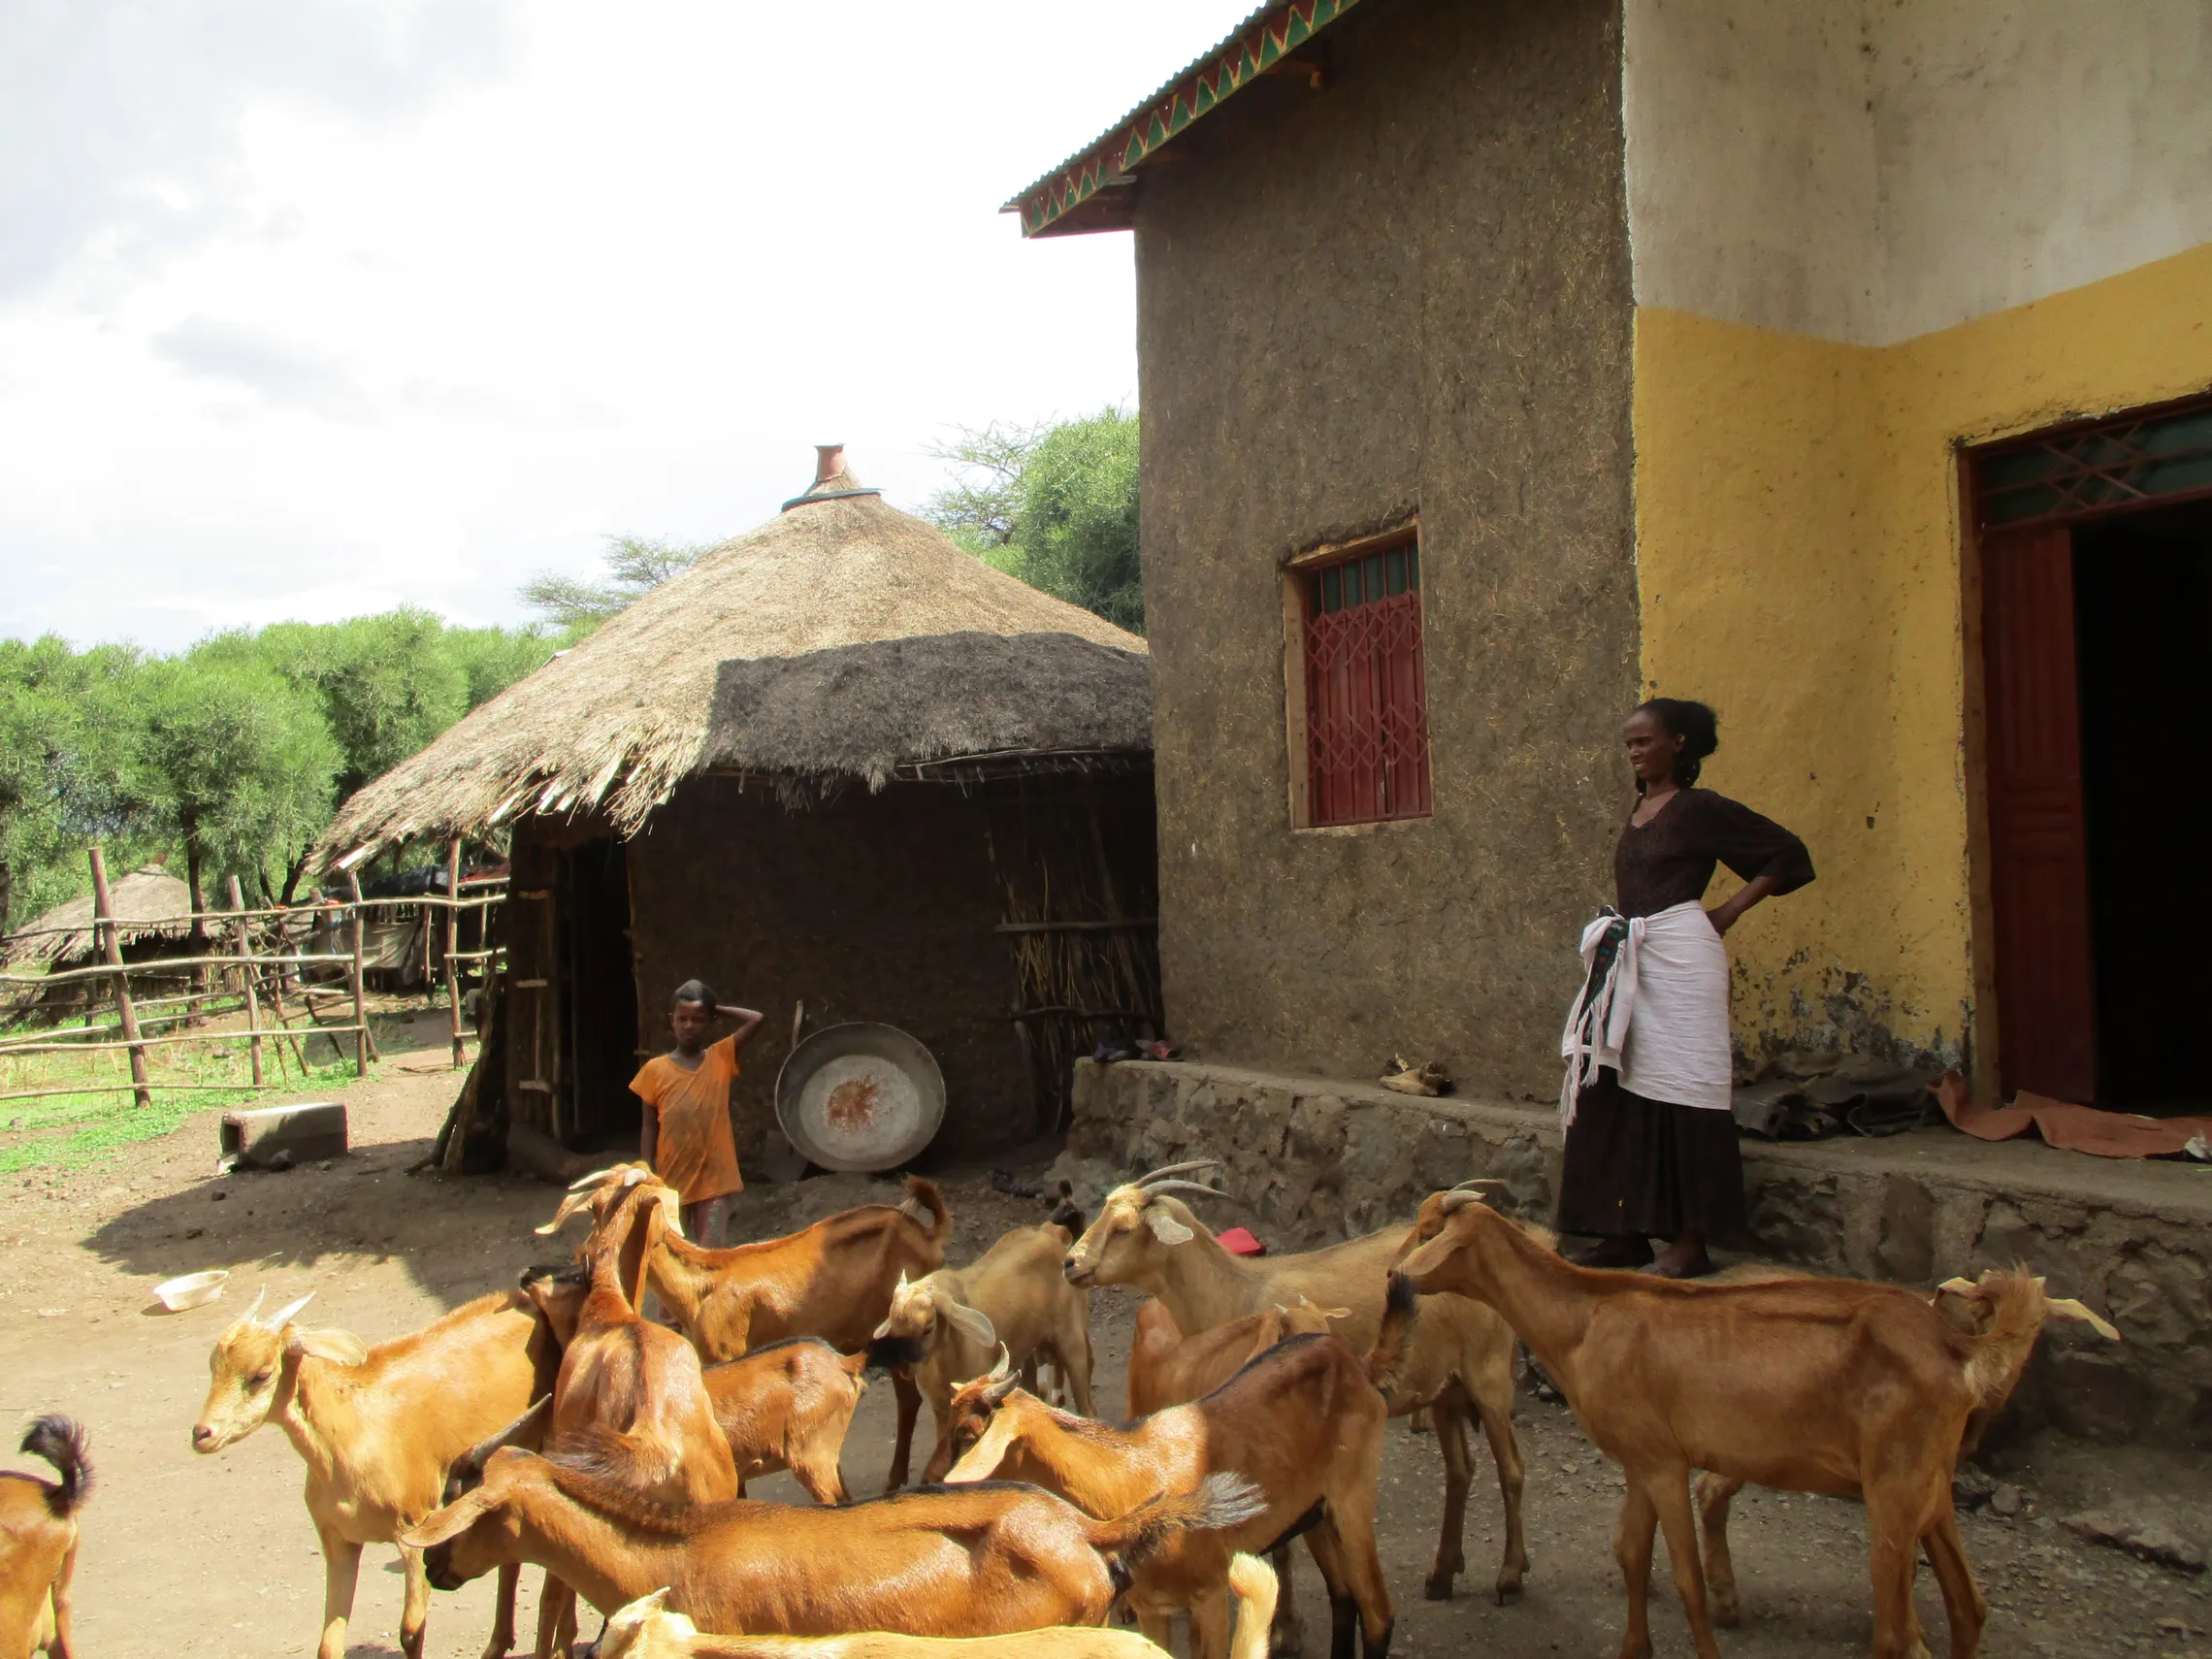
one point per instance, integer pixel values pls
(1275, 30)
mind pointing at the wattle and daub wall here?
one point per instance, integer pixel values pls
(1409, 292)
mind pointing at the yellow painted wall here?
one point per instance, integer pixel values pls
(1799, 536)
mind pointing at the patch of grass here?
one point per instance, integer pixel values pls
(76, 1129)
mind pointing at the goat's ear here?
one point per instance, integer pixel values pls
(339, 1348)
(969, 1323)
(626, 1629)
(2066, 1308)
(451, 1521)
(1166, 1228)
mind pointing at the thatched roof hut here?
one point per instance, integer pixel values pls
(613, 725)
(841, 763)
(150, 904)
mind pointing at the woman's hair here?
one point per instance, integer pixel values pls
(1694, 723)
(696, 990)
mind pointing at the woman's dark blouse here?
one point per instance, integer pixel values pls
(1671, 859)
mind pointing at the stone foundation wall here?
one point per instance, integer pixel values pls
(1311, 1160)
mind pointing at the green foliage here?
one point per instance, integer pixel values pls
(234, 753)
(1056, 506)
(635, 567)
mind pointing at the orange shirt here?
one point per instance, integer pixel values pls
(696, 1152)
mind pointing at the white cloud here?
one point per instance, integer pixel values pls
(407, 301)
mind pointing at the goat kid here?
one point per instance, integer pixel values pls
(376, 1428)
(1803, 1384)
(950, 1323)
(646, 1630)
(38, 1540)
(1460, 1363)
(833, 1280)
(1303, 1422)
(1167, 1368)
(975, 1562)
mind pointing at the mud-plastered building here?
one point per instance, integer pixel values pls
(1845, 366)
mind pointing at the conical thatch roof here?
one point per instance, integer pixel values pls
(149, 903)
(618, 720)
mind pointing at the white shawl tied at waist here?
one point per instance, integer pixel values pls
(1658, 1014)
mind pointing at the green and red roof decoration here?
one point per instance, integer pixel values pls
(1085, 192)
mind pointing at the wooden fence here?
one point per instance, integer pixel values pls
(264, 956)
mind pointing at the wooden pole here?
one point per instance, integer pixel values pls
(453, 944)
(112, 947)
(245, 973)
(360, 1004)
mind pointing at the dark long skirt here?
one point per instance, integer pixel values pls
(1639, 1169)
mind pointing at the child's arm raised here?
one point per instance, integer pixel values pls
(748, 1021)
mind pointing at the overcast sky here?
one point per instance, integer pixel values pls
(311, 307)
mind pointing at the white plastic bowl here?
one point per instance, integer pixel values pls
(192, 1290)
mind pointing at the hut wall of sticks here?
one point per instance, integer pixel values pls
(839, 769)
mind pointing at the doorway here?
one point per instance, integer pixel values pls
(2143, 632)
(600, 986)
(2096, 546)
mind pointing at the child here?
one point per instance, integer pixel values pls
(686, 1140)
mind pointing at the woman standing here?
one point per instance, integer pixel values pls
(1651, 1146)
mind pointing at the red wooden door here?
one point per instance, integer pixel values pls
(2039, 844)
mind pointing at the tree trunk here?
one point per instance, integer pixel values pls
(189, 818)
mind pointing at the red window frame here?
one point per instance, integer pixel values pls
(1366, 691)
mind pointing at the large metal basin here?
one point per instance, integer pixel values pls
(859, 1096)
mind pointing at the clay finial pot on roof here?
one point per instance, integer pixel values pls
(832, 480)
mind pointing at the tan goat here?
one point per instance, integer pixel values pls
(939, 1563)
(952, 1324)
(38, 1540)
(1804, 1385)
(378, 1428)
(833, 1280)
(1303, 1422)
(1460, 1361)
(646, 1630)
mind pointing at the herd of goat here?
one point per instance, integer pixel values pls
(554, 1426)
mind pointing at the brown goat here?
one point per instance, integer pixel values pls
(788, 1406)
(979, 1562)
(1303, 1422)
(38, 1540)
(833, 1280)
(1804, 1385)
(1461, 1362)
(630, 1392)
(951, 1323)
(646, 1630)
(378, 1428)
(1167, 1368)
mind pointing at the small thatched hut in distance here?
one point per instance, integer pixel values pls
(838, 761)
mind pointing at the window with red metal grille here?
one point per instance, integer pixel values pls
(1367, 756)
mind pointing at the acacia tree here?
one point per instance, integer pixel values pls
(635, 567)
(1053, 505)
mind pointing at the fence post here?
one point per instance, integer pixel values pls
(246, 974)
(112, 947)
(453, 942)
(360, 1006)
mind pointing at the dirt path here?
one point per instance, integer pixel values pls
(185, 1554)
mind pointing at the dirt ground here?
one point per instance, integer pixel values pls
(187, 1554)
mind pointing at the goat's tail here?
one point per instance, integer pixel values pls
(1221, 1500)
(60, 1441)
(1395, 1335)
(922, 1194)
(1252, 1581)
